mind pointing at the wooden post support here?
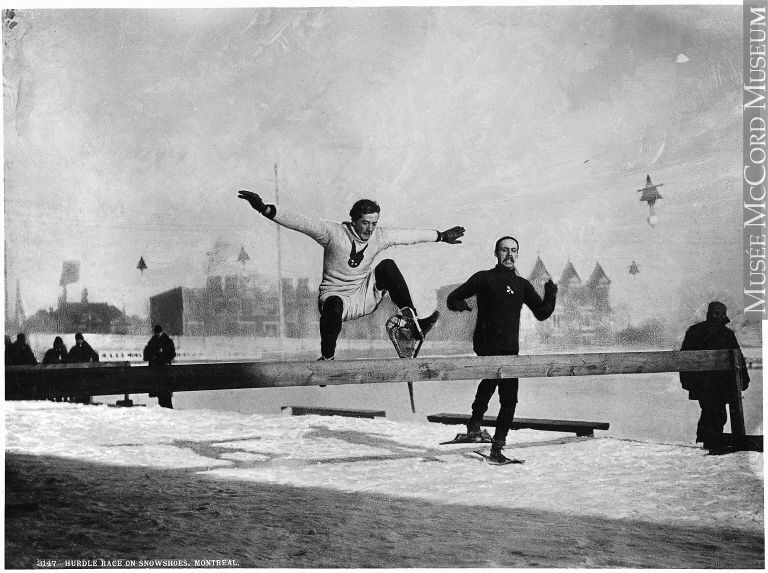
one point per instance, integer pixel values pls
(126, 402)
(735, 404)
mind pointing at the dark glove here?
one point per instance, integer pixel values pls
(451, 236)
(256, 202)
(253, 199)
(458, 305)
(550, 289)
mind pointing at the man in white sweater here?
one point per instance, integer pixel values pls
(351, 287)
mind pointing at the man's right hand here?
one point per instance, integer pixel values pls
(459, 305)
(254, 200)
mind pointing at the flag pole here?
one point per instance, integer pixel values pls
(280, 312)
(62, 303)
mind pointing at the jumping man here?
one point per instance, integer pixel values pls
(351, 287)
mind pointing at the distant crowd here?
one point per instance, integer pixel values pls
(20, 353)
(159, 351)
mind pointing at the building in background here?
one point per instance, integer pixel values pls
(236, 305)
(583, 315)
(83, 316)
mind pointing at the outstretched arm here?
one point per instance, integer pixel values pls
(542, 309)
(393, 236)
(313, 228)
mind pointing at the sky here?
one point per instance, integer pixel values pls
(127, 134)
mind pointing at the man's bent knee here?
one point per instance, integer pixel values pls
(333, 305)
(387, 264)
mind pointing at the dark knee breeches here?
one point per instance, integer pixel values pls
(507, 400)
(389, 278)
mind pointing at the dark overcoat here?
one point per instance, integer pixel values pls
(709, 335)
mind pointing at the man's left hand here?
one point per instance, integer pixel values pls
(550, 288)
(452, 235)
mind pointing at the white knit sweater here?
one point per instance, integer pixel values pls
(347, 258)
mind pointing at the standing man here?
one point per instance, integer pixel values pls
(57, 354)
(713, 390)
(82, 352)
(350, 287)
(159, 353)
(500, 293)
(20, 352)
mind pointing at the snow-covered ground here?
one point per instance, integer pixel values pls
(607, 477)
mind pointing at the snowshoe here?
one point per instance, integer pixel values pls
(496, 458)
(481, 437)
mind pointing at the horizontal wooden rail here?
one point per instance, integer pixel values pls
(40, 382)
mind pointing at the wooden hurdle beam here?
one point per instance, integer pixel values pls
(36, 382)
(99, 379)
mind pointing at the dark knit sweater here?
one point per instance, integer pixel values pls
(500, 294)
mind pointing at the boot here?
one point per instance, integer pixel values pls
(426, 324)
(478, 436)
(496, 456)
(475, 434)
(324, 358)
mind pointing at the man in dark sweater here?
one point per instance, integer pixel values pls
(500, 293)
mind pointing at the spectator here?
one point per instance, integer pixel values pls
(713, 390)
(82, 352)
(159, 353)
(20, 352)
(57, 354)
